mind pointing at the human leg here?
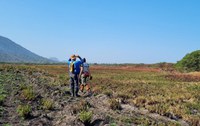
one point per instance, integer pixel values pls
(76, 84)
(72, 86)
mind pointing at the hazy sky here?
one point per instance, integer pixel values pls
(104, 31)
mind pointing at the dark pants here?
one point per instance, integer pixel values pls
(74, 84)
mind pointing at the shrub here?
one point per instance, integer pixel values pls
(28, 93)
(85, 117)
(191, 62)
(24, 110)
(47, 104)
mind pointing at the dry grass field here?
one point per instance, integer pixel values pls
(170, 95)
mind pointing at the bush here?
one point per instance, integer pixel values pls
(47, 104)
(85, 117)
(24, 110)
(28, 93)
(189, 63)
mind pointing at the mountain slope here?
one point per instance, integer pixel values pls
(14, 53)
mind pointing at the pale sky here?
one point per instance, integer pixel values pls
(104, 31)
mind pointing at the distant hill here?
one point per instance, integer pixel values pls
(10, 52)
(54, 59)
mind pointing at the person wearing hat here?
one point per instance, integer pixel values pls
(74, 70)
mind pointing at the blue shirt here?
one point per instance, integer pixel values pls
(77, 65)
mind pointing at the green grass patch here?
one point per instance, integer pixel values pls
(28, 93)
(85, 117)
(47, 104)
(24, 111)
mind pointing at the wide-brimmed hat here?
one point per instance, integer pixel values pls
(73, 57)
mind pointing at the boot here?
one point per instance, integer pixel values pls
(76, 93)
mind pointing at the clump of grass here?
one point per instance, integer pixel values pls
(127, 120)
(193, 120)
(28, 93)
(115, 105)
(108, 93)
(97, 90)
(85, 117)
(140, 101)
(161, 109)
(2, 94)
(83, 105)
(124, 97)
(63, 79)
(65, 91)
(24, 111)
(2, 98)
(47, 104)
(178, 110)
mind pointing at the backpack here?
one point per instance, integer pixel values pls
(85, 67)
(71, 67)
(85, 70)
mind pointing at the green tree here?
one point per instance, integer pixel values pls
(190, 62)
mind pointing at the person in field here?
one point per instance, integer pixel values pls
(85, 76)
(74, 71)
